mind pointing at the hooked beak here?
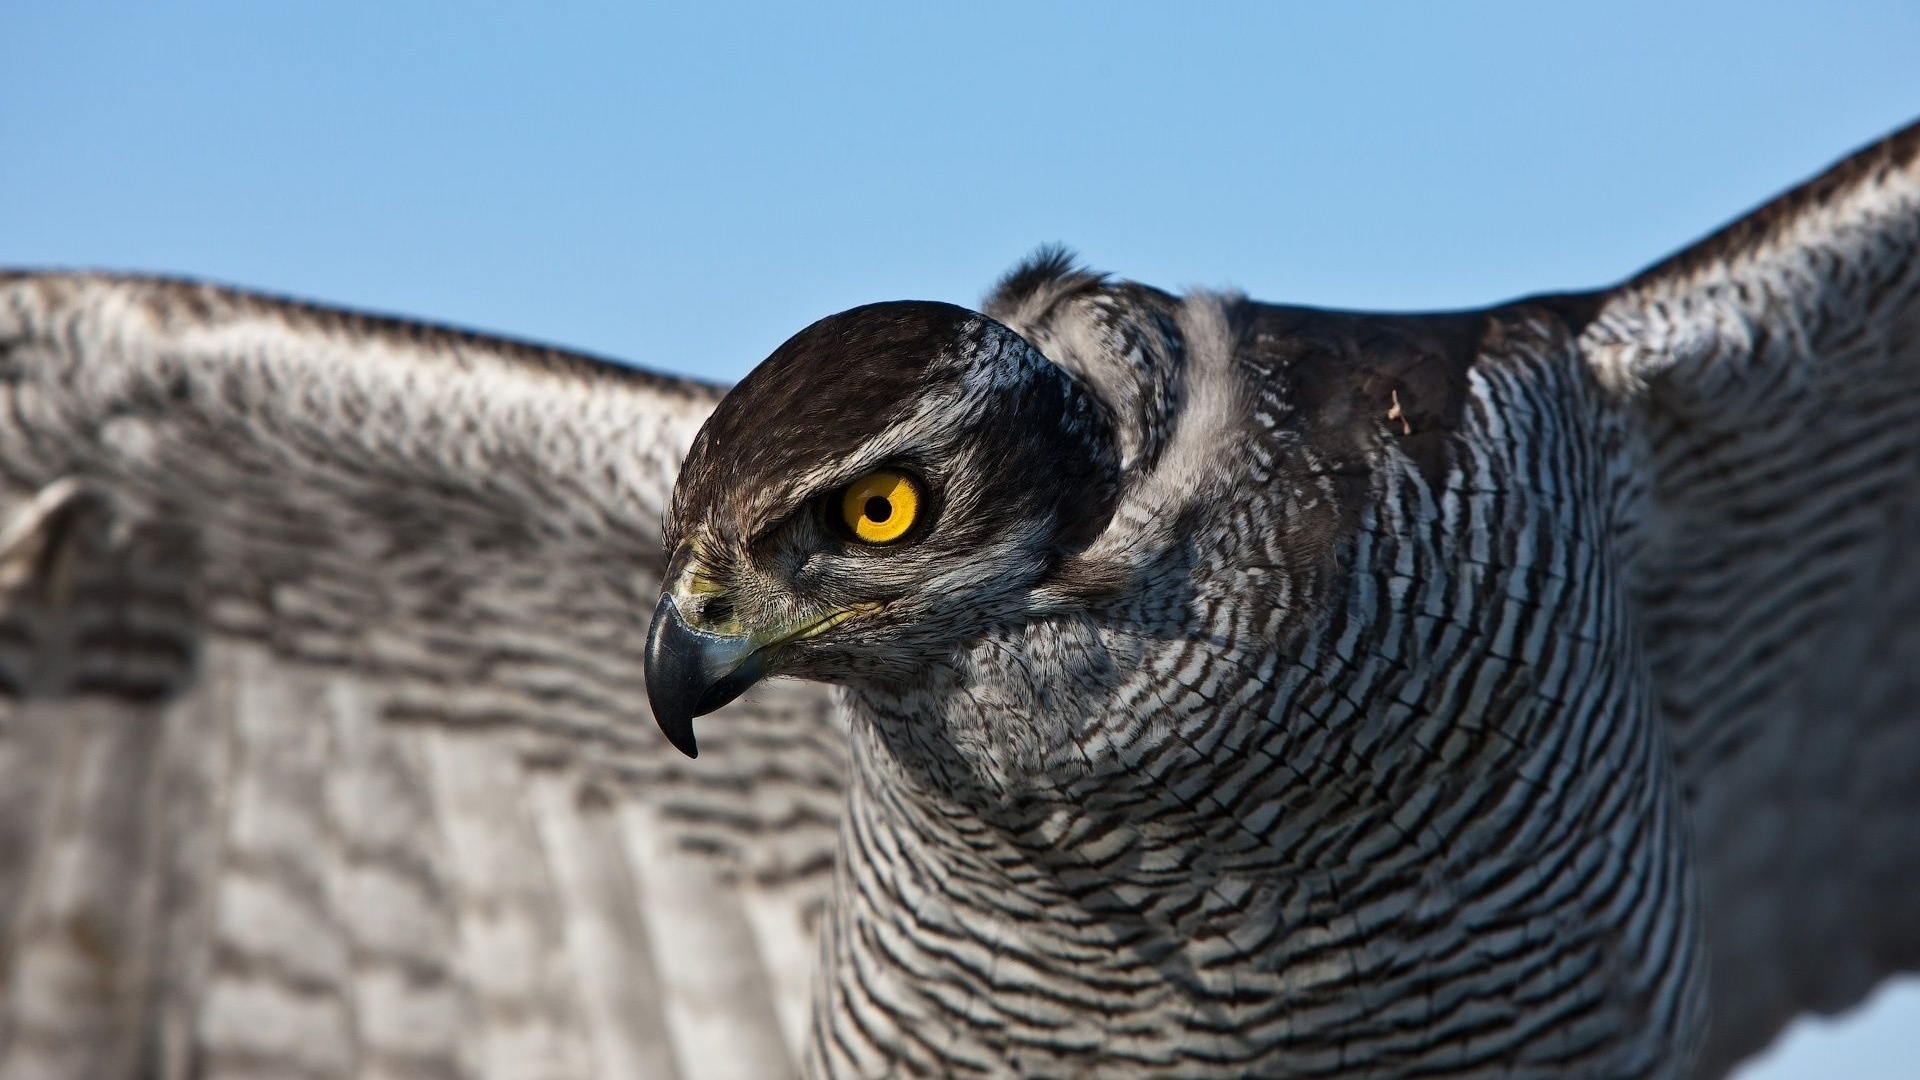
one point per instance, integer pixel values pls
(691, 672)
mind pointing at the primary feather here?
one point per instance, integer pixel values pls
(1517, 692)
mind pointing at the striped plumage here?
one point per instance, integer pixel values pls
(1306, 785)
(1524, 692)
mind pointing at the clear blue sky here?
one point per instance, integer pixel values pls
(685, 186)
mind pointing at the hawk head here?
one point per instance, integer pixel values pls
(893, 480)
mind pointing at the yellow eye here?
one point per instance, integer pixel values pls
(880, 506)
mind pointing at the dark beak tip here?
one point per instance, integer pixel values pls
(691, 673)
(679, 732)
(668, 660)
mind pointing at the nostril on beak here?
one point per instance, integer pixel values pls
(716, 610)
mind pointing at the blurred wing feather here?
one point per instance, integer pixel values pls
(1776, 366)
(325, 747)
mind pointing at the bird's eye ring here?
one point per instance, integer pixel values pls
(881, 506)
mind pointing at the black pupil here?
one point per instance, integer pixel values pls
(878, 509)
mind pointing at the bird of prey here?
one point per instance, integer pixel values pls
(1109, 682)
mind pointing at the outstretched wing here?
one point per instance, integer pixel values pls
(1776, 366)
(325, 748)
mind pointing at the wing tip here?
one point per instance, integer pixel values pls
(1897, 151)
